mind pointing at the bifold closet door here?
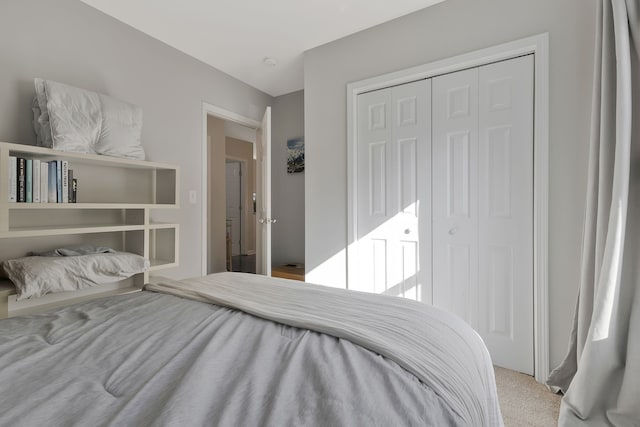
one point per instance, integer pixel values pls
(393, 192)
(483, 204)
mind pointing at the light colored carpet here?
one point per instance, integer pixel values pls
(524, 402)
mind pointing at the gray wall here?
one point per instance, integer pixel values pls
(68, 41)
(448, 29)
(287, 190)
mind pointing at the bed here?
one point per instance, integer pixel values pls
(234, 349)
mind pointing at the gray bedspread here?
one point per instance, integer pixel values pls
(156, 359)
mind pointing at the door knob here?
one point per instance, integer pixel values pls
(407, 231)
(453, 231)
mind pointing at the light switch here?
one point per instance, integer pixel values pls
(193, 198)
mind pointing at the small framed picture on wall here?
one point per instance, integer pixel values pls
(295, 158)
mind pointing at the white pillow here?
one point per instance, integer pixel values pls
(72, 119)
(41, 116)
(121, 129)
(75, 116)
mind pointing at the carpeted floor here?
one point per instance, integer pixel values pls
(524, 402)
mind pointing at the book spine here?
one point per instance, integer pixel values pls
(29, 179)
(36, 181)
(65, 181)
(13, 178)
(44, 182)
(59, 181)
(70, 180)
(22, 189)
(53, 198)
(74, 190)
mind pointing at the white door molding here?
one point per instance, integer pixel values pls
(224, 114)
(537, 45)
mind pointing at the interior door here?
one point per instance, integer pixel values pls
(234, 203)
(393, 192)
(263, 197)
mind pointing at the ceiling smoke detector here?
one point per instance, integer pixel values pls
(270, 62)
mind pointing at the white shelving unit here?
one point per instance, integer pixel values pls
(115, 201)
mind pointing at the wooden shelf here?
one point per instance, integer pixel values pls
(72, 229)
(117, 197)
(47, 154)
(161, 225)
(26, 206)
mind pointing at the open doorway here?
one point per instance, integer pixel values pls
(230, 139)
(240, 213)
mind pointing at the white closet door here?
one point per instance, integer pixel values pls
(506, 212)
(455, 194)
(393, 194)
(483, 204)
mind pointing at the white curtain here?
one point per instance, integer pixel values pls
(601, 372)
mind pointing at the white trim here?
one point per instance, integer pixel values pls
(221, 113)
(539, 46)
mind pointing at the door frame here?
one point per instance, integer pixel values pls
(539, 46)
(224, 114)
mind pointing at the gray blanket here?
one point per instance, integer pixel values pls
(156, 359)
(437, 347)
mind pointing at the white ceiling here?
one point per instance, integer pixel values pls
(235, 36)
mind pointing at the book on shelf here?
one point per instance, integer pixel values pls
(35, 179)
(65, 181)
(13, 178)
(29, 181)
(44, 182)
(70, 180)
(53, 194)
(38, 181)
(21, 189)
(74, 191)
(59, 181)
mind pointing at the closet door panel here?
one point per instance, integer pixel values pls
(506, 211)
(410, 268)
(374, 210)
(393, 213)
(455, 176)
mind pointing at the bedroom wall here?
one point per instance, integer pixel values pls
(68, 41)
(445, 30)
(287, 190)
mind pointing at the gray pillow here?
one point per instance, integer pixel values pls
(36, 276)
(75, 251)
